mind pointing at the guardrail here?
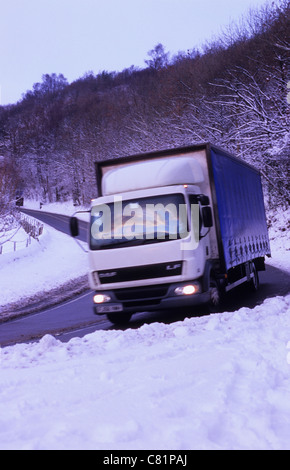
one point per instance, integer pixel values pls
(33, 229)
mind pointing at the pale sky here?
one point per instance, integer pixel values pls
(73, 37)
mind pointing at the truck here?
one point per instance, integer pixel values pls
(173, 229)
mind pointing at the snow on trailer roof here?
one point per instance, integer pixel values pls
(151, 174)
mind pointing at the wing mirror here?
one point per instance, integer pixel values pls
(74, 227)
(207, 217)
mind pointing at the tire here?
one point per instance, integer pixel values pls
(254, 282)
(119, 319)
(216, 296)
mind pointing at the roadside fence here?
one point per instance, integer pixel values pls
(33, 229)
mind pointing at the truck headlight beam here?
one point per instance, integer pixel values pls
(101, 298)
(189, 289)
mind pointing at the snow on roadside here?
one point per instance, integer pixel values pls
(46, 264)
(279, 234)
(214, 382)
(14, 240)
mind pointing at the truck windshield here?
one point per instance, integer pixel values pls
(135, 222)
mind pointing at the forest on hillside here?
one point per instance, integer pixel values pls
(234, 93)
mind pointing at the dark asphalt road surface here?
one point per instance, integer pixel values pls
(75, 318)
(58, 221)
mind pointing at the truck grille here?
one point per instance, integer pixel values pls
(136, 293)
(141, 296)
(140, 272)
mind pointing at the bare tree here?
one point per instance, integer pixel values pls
(158, 57)
(8, 185)
(260, 118)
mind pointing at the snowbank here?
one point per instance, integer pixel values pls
(279, 234)
(46, 264)
(14, 240)
(214, 382)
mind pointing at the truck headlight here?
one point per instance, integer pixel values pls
(189, 289)
(101, 298)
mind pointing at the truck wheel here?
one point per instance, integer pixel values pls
(254, 282)
(119, 319)
(215, 296)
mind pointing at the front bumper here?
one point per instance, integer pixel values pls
(148, 298)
